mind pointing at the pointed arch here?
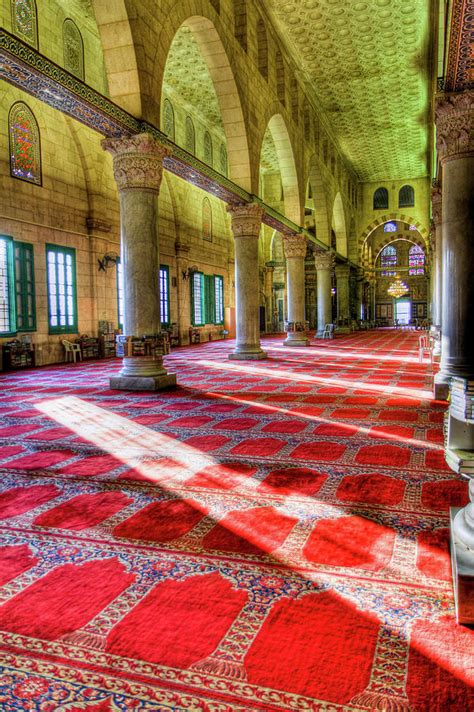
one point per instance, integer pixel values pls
(402, 217)
(25, 21)
(339, 225)
(287, 166)
(223, 78)
(73, 48)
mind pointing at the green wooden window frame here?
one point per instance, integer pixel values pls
(165, 295)
(7, 288)
(62, 291)
(25, 286)
(207, 299)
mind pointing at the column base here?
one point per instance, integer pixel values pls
(247, 355)
(462, 561)
(143, 383)
(441, 386)
(289, 341)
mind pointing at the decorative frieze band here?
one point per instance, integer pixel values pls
(246, 219)
(138, 161)
(454, 115)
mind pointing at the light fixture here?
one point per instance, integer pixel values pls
(397, 289)
(187, 273)
(110, 258)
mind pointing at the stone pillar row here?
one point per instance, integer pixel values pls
(324, 264)
(295, 253)
(342, 291)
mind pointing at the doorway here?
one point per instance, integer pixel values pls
(403, 312)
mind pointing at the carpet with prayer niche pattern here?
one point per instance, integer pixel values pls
(268, 536)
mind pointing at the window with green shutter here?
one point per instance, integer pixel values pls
(198, 317)
(7, 287)
(207, 299)
(62, 299)
(25, 286)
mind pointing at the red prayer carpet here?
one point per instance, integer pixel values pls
(270, 535)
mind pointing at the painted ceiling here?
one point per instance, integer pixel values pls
(367, 64)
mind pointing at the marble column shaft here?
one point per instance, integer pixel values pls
(342, 290)
(269, 270)
(455, 144)
(246, 224)
(138, 170)
(295, 252)
(437, 264)
(324, 262)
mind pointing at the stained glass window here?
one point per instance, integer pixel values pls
(206, 220)
(381, 199)
(25, 157)
(416, 260)
(388, 261)
(190, 137)
(207, 148)
(73, 48)
(61, 274)
(390, 227)
(406, 197)
(223, 159)
(168, 119)
(24, 21)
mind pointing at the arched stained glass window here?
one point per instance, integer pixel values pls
(388, 260)
(190, 136)
(206, 220)
(24, 21)
(390, 227)
(406, 197)
(416, 260)
(25, 155)
(208, 148)
(168, 119)
(381, 199)
(223, 160)
(73, 47)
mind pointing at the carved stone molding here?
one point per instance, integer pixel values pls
(323, 260)
(436, 204)
(181, 248)
(454, 115)
(295, 245)
(97, 225)
(138, 161)
(246, 219)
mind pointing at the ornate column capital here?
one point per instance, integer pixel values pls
(454, 115)
(323, 260)
(246, 219)
(138, 161)
(436, 204)
(342, 271)
(295, 245)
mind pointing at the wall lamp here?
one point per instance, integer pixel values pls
(110, 258)
(187, 273)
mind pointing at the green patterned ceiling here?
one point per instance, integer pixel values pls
(367, 64)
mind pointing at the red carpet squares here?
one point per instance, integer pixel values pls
(269, 536)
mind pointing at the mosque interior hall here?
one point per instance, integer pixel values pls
(236, 355)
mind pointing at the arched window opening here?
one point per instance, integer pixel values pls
(206, 220)
(280, 78)
(25, 154)
(262, 49)
(406, 197)
(223, 160)
(25, 21)
(388, 261)
(390, 227)
(381, 199)
(416, 260)
(240, 23)
(168, 119)
(207, 148)
(190, 136)
(73, 49)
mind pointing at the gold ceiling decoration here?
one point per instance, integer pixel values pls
(368, 64)
(397, 289)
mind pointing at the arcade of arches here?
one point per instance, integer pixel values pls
(220, 173)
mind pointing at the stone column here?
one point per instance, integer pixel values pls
(437, 264)
(246, 223)
(182, 290)
(269, 270)
(455, 146)
(138, 169)
(295, 252)
(324, 262)
(342, 291)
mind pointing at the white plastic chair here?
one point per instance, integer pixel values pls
(425, 344)
(328, 332)
(72, 350)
